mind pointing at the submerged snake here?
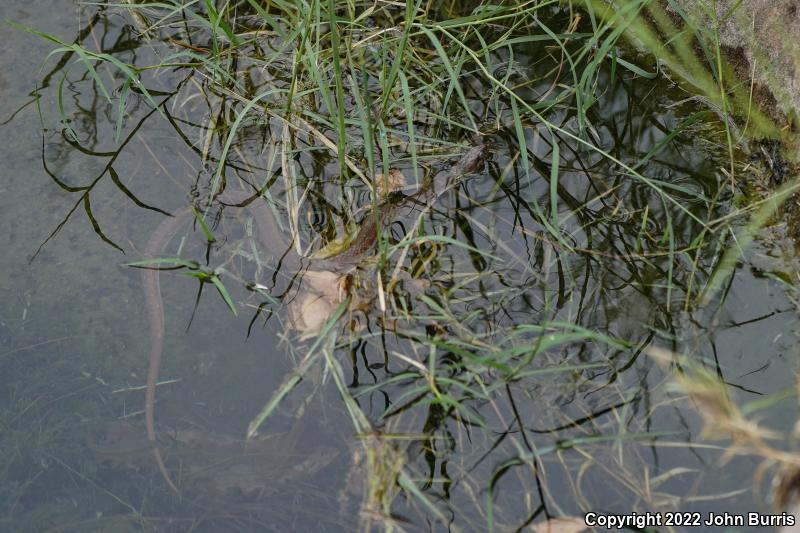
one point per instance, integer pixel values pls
(158, 241)
(362, 244)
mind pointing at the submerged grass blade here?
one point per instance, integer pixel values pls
(299, 372)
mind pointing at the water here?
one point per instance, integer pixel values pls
(603, 434)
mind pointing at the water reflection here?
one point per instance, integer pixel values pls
(502, 379)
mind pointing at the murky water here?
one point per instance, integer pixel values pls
(547, 430)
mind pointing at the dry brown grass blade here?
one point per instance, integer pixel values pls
(723, 419)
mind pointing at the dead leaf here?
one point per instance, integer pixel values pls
(394, 180)
(320, 295)
(323, 282)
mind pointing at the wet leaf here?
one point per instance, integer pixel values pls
(320, 295)
(394, 180)
(170, 263)
(335, 247)
(224, 293)
(206, 230)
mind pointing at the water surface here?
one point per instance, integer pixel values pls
(586, 425)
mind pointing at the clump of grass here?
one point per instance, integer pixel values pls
(724, 419)
(692, 50)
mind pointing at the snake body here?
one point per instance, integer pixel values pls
(269, 236)
(158, 241)
(155, 318)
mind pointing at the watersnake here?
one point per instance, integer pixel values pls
(362, 245)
